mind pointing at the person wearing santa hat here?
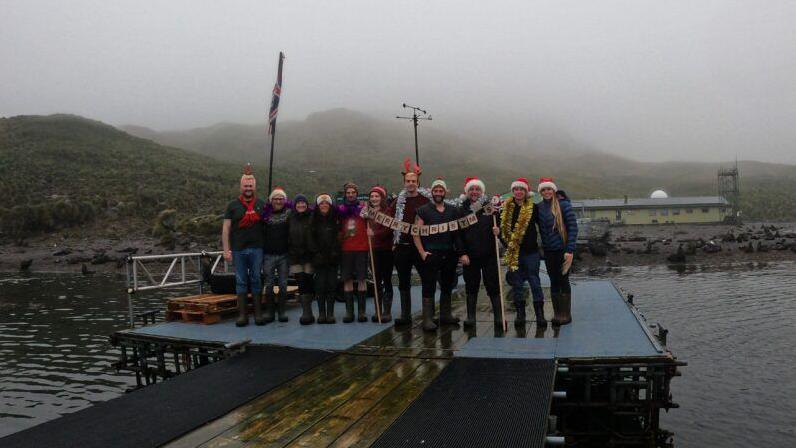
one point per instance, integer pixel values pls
(522, 259)
(478, 260)
(275, 253)
(558, 227)
(324, 245)
(405, 253)
(440, 253)
(381, 238)
(354, 260)
(242, 240)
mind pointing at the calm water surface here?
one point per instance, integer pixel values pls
(734, 325)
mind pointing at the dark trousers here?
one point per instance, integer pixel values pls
(325, 280)
(304, 282)
(439, 267)
(383, 261)
(559, 282)
(478, 267)
(405, 256)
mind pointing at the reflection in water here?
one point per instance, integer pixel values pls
(55, 357)
(735, 325)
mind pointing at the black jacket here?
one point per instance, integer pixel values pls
(299, 237)
(530, 242)
(276, 233)
(478, 240)
(324, 242)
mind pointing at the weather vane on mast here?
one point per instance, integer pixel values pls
(415, 117)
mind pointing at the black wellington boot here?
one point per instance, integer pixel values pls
(566, 308)
(446, 316)
(386, 308)
(280, 306)
(519, 319)
(538, 310)
(406, 308)
(321, 309)
(258, 309)
(349, 307)
(472, 300)
(243, 319)
(330, 301)
(555, 299)
(306, 310)
(362, 304)
(268, 317)
(428, 314)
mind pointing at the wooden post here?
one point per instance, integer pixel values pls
(376, 299)
(500, 277)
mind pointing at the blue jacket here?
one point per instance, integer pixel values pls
(551, 240)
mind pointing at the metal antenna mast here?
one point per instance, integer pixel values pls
(415, 117)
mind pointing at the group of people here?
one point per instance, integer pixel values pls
(418, 228)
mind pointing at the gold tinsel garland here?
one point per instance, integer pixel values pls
(514, 238)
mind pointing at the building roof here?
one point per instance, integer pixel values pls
(651, 203)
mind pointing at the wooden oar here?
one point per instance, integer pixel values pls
(376, 299)
(500, 277)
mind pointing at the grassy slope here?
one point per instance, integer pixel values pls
(341, 144)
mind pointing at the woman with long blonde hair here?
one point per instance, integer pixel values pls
(558, 227)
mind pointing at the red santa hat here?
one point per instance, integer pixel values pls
(521, 182)
(546, 182)
(474, 182)
(380, 190)
(278, 192)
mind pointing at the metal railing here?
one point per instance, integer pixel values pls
(141, 278)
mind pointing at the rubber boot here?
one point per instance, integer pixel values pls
(362, 304)
(258, 309)
(321, 309)
(538, 310)
(566, 308)
(330, 301)
(280, 306)
(519, 319)
(243, 319)
(472, 300)
(386, 308)
(349, 307)
(555, 299)
(268, 317)
(428, 314)
(446, 316)
(306, 310)
(406, 308)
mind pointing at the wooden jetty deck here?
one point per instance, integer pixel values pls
(369, 384)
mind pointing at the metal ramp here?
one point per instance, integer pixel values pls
(479, 402)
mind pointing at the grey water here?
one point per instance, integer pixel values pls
(735, 325)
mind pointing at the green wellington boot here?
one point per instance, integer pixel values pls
(349, 307)
(428, 314)
(321, 309)
(362, 304)
(472, 300)
(306, 310)
(243, 319)
(406, 308)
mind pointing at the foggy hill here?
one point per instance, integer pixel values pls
(336, 145)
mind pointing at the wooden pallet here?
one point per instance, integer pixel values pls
(208, 308)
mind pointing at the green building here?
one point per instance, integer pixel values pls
(659, 208)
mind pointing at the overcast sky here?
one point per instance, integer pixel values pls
(652, 80)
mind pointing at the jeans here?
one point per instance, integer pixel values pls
(248, 263)
(559, 282)
(275, 264)
(528, 271)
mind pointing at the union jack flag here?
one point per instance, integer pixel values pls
(275, 97)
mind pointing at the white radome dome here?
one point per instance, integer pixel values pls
(659, 194)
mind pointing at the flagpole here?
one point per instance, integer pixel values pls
(272, 119)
